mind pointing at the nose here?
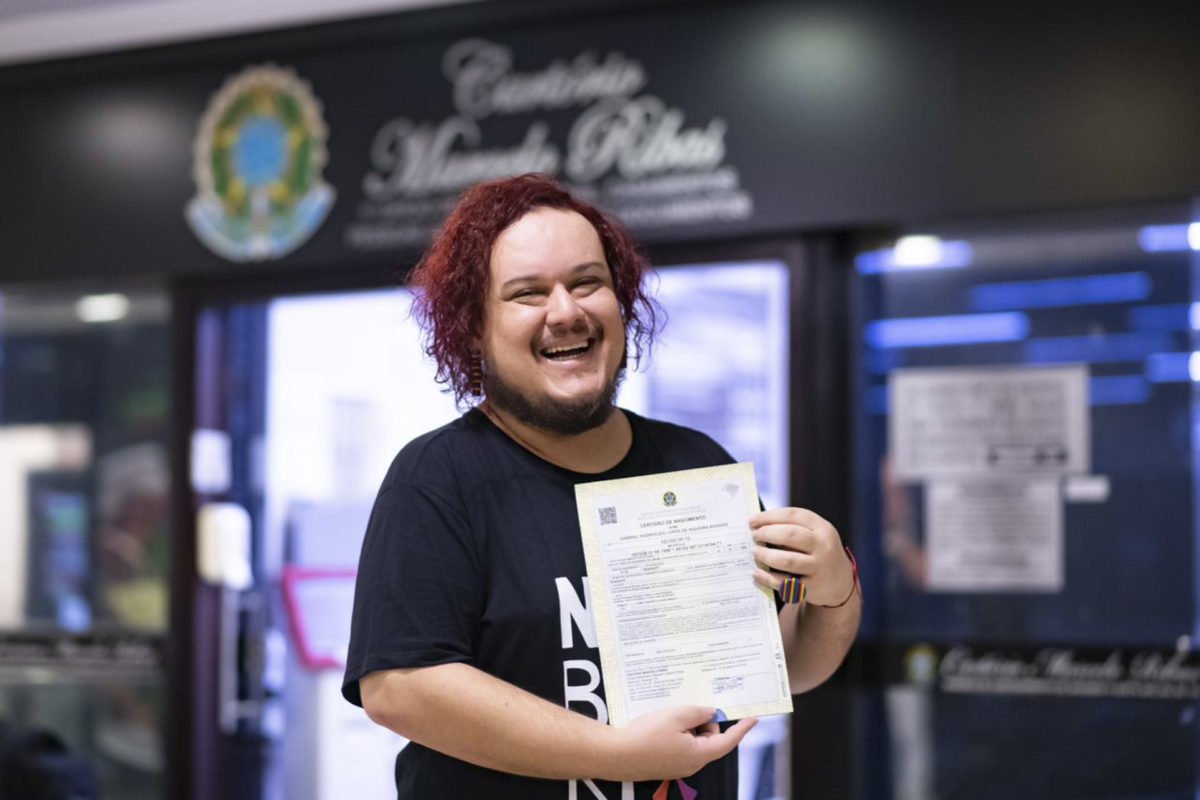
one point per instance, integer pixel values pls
(563, 310)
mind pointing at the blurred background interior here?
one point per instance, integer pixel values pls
(931, 266)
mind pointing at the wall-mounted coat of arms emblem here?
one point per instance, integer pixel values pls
(259, 155)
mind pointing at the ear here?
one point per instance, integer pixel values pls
(477, 330)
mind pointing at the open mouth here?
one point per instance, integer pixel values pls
(566, 352)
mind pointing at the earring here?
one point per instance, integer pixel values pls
(475, 375)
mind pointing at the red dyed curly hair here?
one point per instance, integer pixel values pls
(454, 273)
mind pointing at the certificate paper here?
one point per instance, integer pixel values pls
(679, 618)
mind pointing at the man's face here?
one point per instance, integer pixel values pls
(553, 340)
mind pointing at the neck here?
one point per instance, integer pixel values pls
(594, 451)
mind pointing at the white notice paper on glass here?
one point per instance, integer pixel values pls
(679, 618)
(989, 421)
(995, 535)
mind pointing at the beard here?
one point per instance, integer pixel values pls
(566, 418)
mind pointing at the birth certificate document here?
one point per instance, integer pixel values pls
(679, 618)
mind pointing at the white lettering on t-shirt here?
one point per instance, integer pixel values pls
(576, 613)
(573, 790)
(572, 609)
(581, 693)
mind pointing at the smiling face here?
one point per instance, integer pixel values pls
(553, 340)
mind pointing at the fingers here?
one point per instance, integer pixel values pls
(788, 515)
(722, 743)
(691, 717)
(788, 561)
(769, 579)
(797, 536)
(740, 729)
(700, 720)
(794, 529)
(796, 542)
(791, 537)
(677, 742)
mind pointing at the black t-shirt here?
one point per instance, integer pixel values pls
(473, 555)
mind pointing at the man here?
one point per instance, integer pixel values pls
(471, 634)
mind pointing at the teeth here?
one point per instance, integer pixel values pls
(566, 348)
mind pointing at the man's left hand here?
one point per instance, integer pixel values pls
(796, 541)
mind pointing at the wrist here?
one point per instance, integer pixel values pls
(855, 585)
(609, 756)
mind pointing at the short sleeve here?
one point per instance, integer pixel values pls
(418, 595)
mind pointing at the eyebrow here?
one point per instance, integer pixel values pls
(576, 270)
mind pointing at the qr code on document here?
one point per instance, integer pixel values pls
(608, 515)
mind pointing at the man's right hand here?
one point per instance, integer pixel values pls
(675, 743)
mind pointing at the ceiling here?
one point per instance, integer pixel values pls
(36, 30)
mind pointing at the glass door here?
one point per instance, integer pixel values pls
(1026, 486)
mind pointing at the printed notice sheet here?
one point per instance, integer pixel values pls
(988, 421)
(679, 618)
(995, 535)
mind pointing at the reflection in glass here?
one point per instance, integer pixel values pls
(84, 524)
(111, 728)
